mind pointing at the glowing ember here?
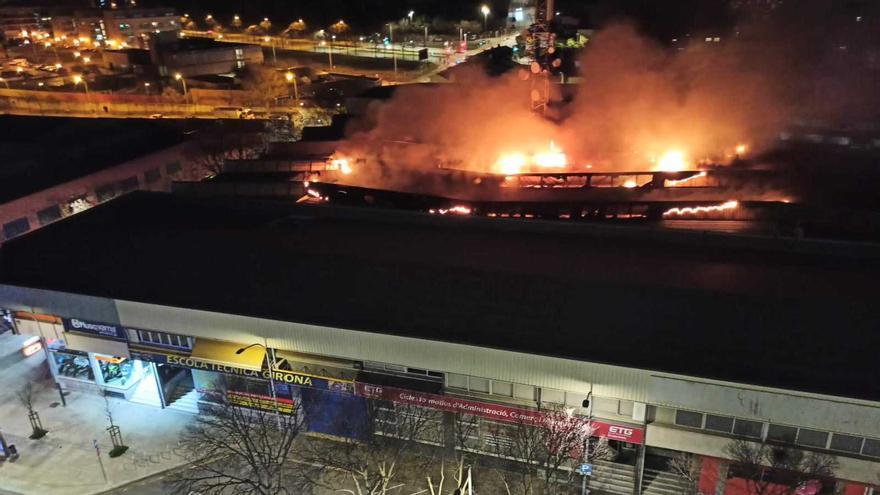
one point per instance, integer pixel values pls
(342, 165)
(511, 163)
(678, 182)
(741, 149)
(313, 193)
(554, 158)
(694, 210)
(455, 210)
(672, 161)
(629, 184)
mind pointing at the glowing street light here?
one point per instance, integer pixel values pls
(79, 79)
(292, 78)
(269, 353)
(87, 59)
(410, 15)
(485, 10)
(178, 76)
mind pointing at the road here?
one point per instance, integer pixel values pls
(403, 51)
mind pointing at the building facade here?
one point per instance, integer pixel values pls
(170, 357)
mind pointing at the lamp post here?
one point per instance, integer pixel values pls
(485, 10)
(178, 76)
(292, 78)
(269, 352)
(410, 15)
(267, 39)
(589, 405)
(330, 51)
(391, 41)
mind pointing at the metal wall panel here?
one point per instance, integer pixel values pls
(775, 406)
(544, 371)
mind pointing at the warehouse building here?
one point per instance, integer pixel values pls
(681, 341)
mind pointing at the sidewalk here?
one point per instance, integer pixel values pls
(64, 461)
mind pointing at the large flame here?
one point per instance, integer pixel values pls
(511, 163)
(517, 162)
(672, 161)
(554, 158)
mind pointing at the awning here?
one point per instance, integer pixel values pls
(79, 342)
(223, 354)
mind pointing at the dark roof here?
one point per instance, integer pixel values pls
(768, 312)
(41, 152)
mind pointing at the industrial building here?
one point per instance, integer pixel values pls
(682, 341)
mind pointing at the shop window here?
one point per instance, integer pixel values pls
(552, 395)
(16, 227)
(688, 418)
(49, 215)
(846, 443)
(128, 185)
(478, 385)
(526, 392)
(747, 428)
(812, 438)
(152, 175)
(719, 423)
(73, 365)
(502, 388)
(115, 371)
(779, 433)
(871, 447)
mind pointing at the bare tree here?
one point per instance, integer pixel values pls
(547, 454)
(26, 398)
(687, 467)
(240, 446)
(211, 148)
(776, 470)
(264, 83)
(376, 450)
(458, 460)
(113, 429)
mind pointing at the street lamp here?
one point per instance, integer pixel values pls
(330, 51)
(79, 79)
(267, 39)
(292, 78)
(178, 76)
(269, 351)
(391, 43)
(410, 15)
(485, 10)
(87, 59)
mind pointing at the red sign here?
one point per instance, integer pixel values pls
(491, 411)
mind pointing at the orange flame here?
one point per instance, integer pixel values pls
(693, 210)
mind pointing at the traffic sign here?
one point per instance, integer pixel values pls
(586, 469)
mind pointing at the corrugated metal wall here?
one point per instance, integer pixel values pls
(563, 374)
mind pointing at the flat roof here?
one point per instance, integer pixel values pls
(41, 152)
(797, 315)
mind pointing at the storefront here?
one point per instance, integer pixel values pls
(242, 373)
(93, 354)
